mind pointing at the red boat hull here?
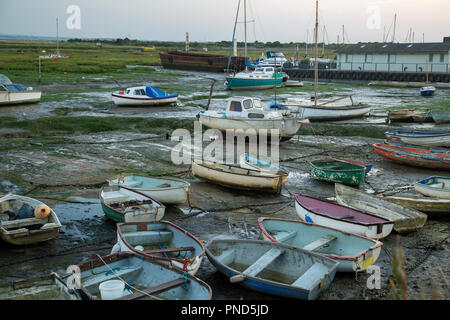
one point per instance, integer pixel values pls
(418, 157)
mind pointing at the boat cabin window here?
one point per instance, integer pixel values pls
(235, 106)
(139, 92)
(128, 91)
(268, 70)
(248, 104)
(257, 104)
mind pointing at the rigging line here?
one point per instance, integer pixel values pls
(258, 20)
(129, 285)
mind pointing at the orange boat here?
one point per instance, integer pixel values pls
(412, 155)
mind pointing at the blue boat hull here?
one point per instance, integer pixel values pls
(276, 290)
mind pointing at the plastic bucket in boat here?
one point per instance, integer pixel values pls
(111, 289)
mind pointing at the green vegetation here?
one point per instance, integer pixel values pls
(87, 124)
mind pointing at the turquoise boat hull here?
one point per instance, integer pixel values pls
(251, 84)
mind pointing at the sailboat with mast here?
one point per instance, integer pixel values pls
(261, 78)
(57, 55)
(324, 111)
(428, 90)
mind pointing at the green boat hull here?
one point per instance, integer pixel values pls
(346, 174)
(113, 215)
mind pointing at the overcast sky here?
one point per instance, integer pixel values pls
(213, 20)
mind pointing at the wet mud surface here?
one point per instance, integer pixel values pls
(68, 174)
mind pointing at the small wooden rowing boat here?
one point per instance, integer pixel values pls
(125, 205)
(19, 224)
(435, 186)
(162, 241)
(47, 287)
(144, 278)
(324, 213)
(245, 175)
(334, 170)
(405, 219)
(167, 190)
(420, 138)
(406, 115)
(368, 166)
(353, 252)
(413, 155)
(273, 268)
(424, 204)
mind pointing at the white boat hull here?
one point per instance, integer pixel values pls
(330, 113)
(287, 127)
(128, 101)
(366, 231)
(19, 97)
(435, 192)
(440, 141)
(405, 219)
(239, 178)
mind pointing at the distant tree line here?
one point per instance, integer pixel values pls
(200, 45)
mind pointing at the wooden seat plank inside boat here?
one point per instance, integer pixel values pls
(284, 235)
(319, 243)
(156, 289)
(314, 274)
(140, 237)
(263, 262)
(109, 275)
(28, 222)
(170, 250)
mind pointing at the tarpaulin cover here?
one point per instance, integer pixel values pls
(14, 87)
(158, 94)
(4, 79)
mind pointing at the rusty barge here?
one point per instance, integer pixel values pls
(198, 61)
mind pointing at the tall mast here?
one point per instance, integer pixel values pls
(395, 23)
(57, 38)
(316, 73)
(245, 28)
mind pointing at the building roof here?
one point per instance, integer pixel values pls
(431, 47)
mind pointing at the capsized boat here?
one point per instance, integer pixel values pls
(353, 252)
(166, 190)
(144, 278)
(420, 138)
(436, 186)
(405, 219)
(13, 93)
(413, 155)
(324, 213)
(125, 205)
(46, 287)
(247, 114)
(425, 204)
(144, 95)
(25, 220)
(162, 241)
(272, 268)
(249, 174)
(441, 116)
(260, 78)
(334, 170)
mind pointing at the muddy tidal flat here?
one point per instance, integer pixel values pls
(62, 150)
